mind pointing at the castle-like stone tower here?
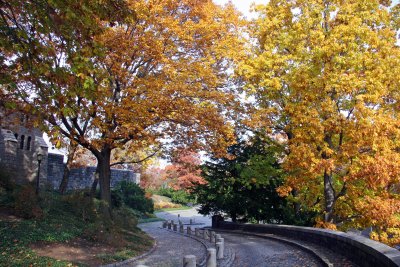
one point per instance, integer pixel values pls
(20, 144)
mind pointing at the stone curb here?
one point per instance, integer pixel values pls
(132, 260)
(229, 256)
(322, 259)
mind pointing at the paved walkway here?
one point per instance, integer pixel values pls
(259, 252)
(171, 247)
(248, 250)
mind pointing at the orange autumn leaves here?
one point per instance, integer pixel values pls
(323, 73)
(125, 74)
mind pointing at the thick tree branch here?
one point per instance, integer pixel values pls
(136, 161)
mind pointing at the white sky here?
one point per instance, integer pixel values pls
(242, 5)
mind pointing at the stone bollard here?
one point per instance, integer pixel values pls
(181, 228)
(175, 227)
(205, 234)
(172, 221)
(196, 232)
(211, 257)
(216, 237)
(212, 236)
(220, 239)
(189, 261)
(164, 224)
(188, 230)
(169, 225)
(220, 250)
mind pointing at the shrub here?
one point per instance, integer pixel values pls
(131, 195)
(125, 217)
(177, 196)
(27, 203)
(82, 205)
(166, 205)
(6, 189)
(5, 181)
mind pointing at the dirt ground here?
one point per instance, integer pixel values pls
(76, 250)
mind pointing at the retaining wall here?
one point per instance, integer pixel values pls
(361, 250)
(82, 178)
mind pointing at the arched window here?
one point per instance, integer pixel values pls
(28, 144)
(21, 145)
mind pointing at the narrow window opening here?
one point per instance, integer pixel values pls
(21, 145)
(16, 136)
(28, 144)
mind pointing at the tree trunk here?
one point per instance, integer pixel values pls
(65, 179)
(103, 167)
(296, 205)
(94, 184)
(329, 197)
(233, 217)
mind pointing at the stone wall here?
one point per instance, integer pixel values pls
(363, 251)
(81, 178)
(19, 148)
(55, 170)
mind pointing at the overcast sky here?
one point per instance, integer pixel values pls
(242, 5)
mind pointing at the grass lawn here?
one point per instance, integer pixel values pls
(172, 209)
(63, 237)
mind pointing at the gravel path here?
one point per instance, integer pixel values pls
(259, 252)
(170, 249)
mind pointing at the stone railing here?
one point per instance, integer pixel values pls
(361, 250)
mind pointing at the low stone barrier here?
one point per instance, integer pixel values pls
(361, 250)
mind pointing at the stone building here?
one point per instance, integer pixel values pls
(20, 145)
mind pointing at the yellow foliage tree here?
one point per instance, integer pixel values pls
(325, 72)
(123, 74)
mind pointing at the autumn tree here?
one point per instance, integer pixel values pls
(152, 177)
(184, 171)
(325, 73)
(123, 74)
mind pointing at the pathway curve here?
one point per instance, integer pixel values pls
(170, 248)
(258, 252)
(250, 251)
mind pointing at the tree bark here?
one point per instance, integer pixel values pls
(233, 216)
(329, 197)
(104, 169)
(296, 204)
(65, 179)
(94, 184)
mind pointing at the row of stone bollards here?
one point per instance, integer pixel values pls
(213, 254)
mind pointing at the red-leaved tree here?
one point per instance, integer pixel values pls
(184, 170)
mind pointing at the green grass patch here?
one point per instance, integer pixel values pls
(173, 209)
(16, 237)
(64, 218)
